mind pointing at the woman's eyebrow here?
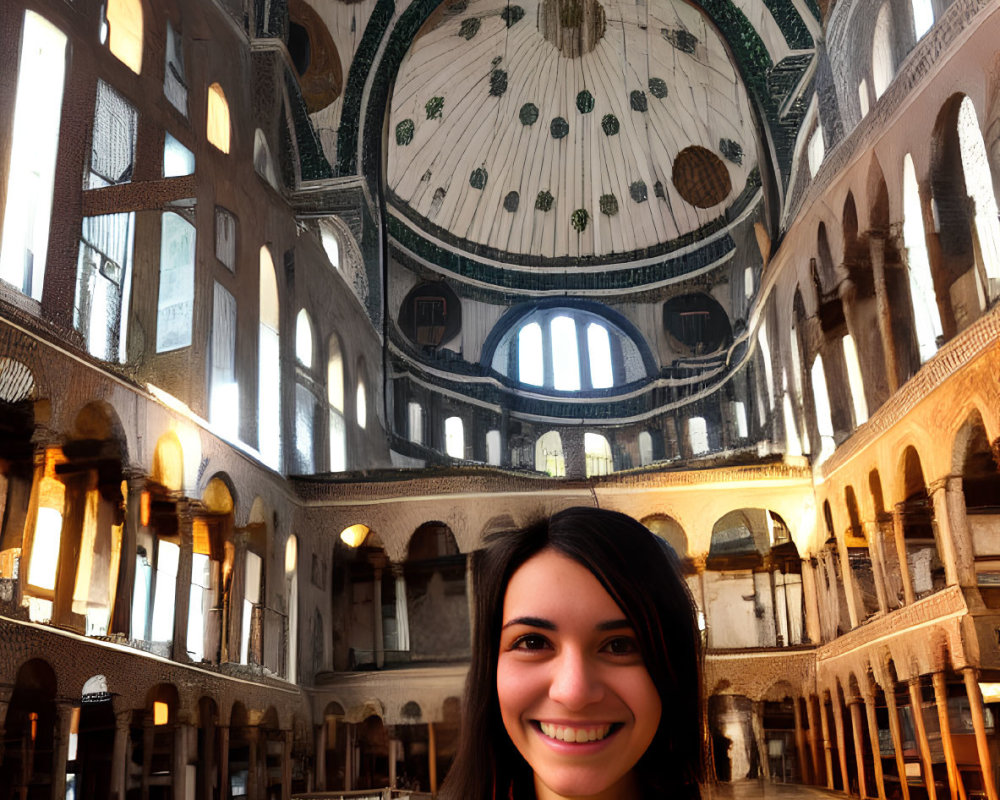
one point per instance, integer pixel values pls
(613, 625)
(531, 622)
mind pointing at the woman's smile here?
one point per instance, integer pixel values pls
(574, 693)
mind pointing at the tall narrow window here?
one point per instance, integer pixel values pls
(225, 238)
(112, 144)
(175, 306)
(330, 242)
(854, 380)
(122, 32)
(269, 370)
(174, 83)
(304, 339)
(765, 356)
(979, 185)
(824, 420)
(530, 368)
(599, 348)
(361, 397)
(251, 598)
(292, 591)
(34, 142)
(698, 435)
(493, 448)
(103, 283)
(415, 422)
(549, 456)
(335, 399)
(565, 354)
(224, 405)
(926, 317)
(218, 127)
(923, 17)
(177, 159)
(454, 437)
(883, 69)
(645, 448)
(816, 151)
(305, 423)
(263, 164)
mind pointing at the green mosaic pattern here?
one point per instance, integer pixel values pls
(528, 114)
(478, 178)
(579, 219)
(511, 202)
(404, 132)
(658, 88)
(610, 125)
(498, 83)
(559, 127)
(544, 200)
(637, 191)
(469, 27)
(585, 102)
(609, 205)
(434, 107)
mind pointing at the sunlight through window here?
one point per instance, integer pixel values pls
(565, 354)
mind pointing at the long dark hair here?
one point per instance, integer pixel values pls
(641, 574)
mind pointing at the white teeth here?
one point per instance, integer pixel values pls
(575, 735)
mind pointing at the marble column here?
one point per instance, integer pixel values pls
(895, 730)
(941, 701)
(979, 726)
(904, 565)
(869, 702)
(320, 769)
(859, 751)
(286, 764)
(955, 540)
(377, 619)
(223, 760)
(182, 596)
(873, 535)
(800, 742)
(60, 746)
(757, 723)
(432, 757)
(809, 592)
(838, 720)
(119, 754)
(817, 763)
(182, 738)
(876, 249)
(916, 705)
(5, 694)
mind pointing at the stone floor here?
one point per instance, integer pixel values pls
(761, 790)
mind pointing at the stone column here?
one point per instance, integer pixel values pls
(286, 764)
(979, 726)
(223, 760)
(320, 769)
(809, 592)
(60, 746)
(470, 597)
(800, 742)
(432, 757)
(392, 763)
(904, 565)
(941, 701)
(5, 695)
(349, 736)
(121, 617)
(757, 723)
(182, 738)
(402, 613)
(876, 249)
(253, 768)
(817, 764)
(838, 719)
(869, 701)
(874, 537)
(916, 705)
(897, 740)
(859, 752)
(119, 754)
(208, 758)
(182, 595)
(377, 619)
(827, 745)
(851, 595)
(949, 510)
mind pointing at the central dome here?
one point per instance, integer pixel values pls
(568, 128)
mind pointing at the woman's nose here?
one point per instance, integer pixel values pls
(576, 681)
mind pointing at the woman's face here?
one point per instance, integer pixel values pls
(575, 696)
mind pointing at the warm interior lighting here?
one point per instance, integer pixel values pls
(355, 535)
(74, 733)
(125, 21)
(292, 554)
(33, 718)
(218, 118)
(991, 692)
(161, 713)
(145, 506)
(48, 534)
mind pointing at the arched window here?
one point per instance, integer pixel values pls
(863, 100)
(305, 401)
(549, 455)
(926, 316)
(224, 393)
(454, 437)
(817, 149)
(923, 17)
(121, 30)
(597, 451)
(645, 448)
(568, 349)
(304, 339)
(335, 400)
(979, 186)
(263, 164)
(883, 68)
(824, 420)
(860, 404)
(361, 398)
(269, 371)
(331, 244)
(218, 128)
(34, 143)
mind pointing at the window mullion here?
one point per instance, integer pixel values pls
(583, 353)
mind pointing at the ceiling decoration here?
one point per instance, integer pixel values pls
(569, 128)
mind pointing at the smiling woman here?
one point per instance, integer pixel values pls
(585, 632)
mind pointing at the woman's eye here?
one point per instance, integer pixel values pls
(531, 641)
(622, 646)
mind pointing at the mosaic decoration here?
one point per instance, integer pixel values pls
(638, 101)
(578, 219)
(470, 27)
(559, 127)
(731, 150)
(528, 114)
(511, 201)
(498, 83)
(511, 15)
(700, 177)
(585, 102)
(544, 201)
(637, 191)
(404, 132)
(434, 107)
(609, 124)
(609, 205)
(658, 88)
(683, 40)
(478, 178)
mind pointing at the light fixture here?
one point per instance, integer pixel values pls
(355, 535)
